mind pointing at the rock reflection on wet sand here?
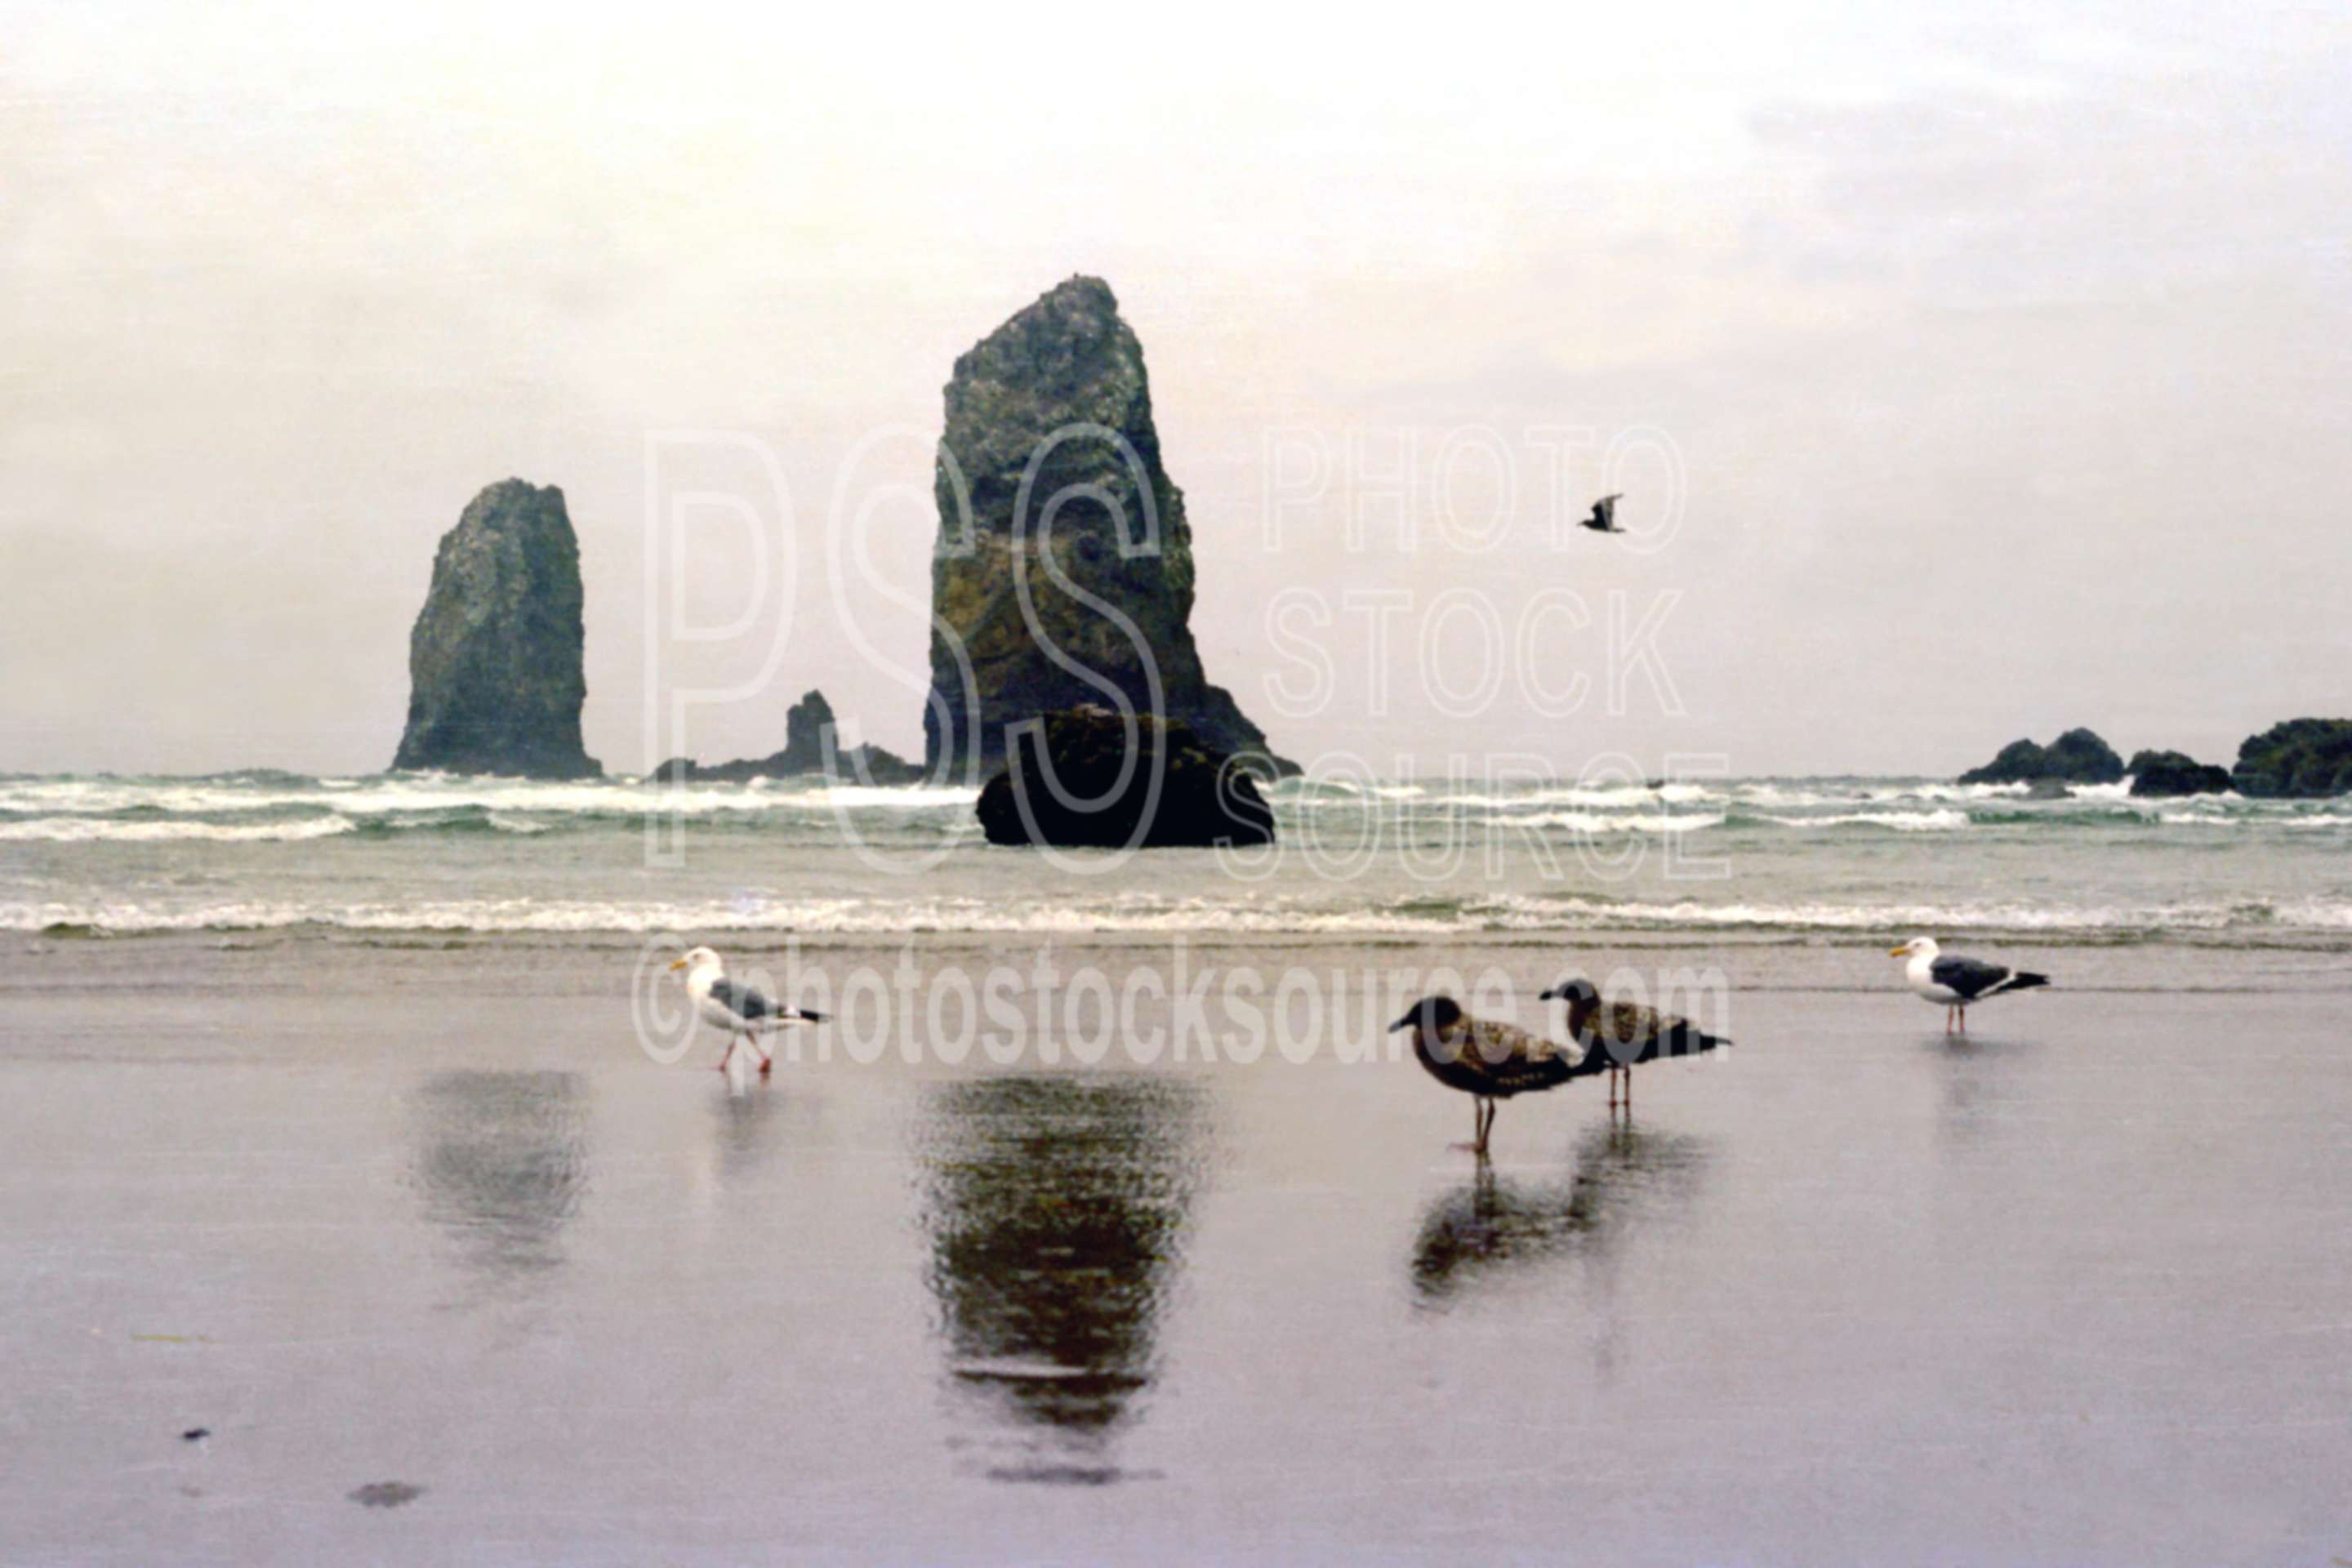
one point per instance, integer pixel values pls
(1056, 1209)
(502, 1160)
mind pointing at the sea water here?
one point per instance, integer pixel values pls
(1863, 857)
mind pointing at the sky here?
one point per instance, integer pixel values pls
(1967, 376)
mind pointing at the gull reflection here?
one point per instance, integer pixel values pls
(750, 1127)
(1496, 1226)
(1979, 1081)
(1056, 1209)
(501, 1160)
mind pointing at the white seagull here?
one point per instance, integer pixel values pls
(1955, 981)
(741, 1011)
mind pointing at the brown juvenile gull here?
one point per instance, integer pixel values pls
(1614, 1035)
(1486, 1060)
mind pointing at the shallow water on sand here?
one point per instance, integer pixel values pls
(449, 1271)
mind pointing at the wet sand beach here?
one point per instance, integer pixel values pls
(447, 1269)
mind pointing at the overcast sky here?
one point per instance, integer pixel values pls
(2006, 361)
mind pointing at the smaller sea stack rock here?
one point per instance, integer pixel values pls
(806, 723)
(2303, 758)
(2077, 757)
(2170, 773)
(494, 671)
(1204, 798)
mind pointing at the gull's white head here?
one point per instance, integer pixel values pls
(1917, 947)
(697, 958)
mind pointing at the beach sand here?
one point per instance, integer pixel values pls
(451, 1270)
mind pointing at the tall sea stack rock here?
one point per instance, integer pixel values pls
(495, 681)
(1061, 386)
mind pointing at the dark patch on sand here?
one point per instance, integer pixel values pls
(386, 1494)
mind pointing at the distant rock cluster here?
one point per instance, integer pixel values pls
(2078, 756)
(2174, 773)
(2303, 758)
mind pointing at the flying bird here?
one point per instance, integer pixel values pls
(1604, 515)
(1955, 981)
(741, 1011)
(1486, 1060)
(1615, 1035)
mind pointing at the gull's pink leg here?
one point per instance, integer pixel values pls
(729, 1055)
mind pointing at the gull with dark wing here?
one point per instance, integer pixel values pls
(1604, 515)
(1486, 1060)
(1955, 981)
(744, 1012)
(1614, 1036)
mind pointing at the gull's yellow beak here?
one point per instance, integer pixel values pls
(678, 965)
(1902, 952)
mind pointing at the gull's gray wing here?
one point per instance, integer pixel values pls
(751, 1005)
(1969, 977)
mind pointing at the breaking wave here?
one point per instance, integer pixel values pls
(97, 829)
(1943, 821)
(1418, 915)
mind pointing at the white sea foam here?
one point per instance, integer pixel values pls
(1776, 795)
(1611, 822)
(913, 797)
(1621, 797)
(1929, 789)
(103, 830)
(891, 920)
(421, 793)
(1944, 821)
(2326, 914)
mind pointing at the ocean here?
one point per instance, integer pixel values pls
(1786, 858)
